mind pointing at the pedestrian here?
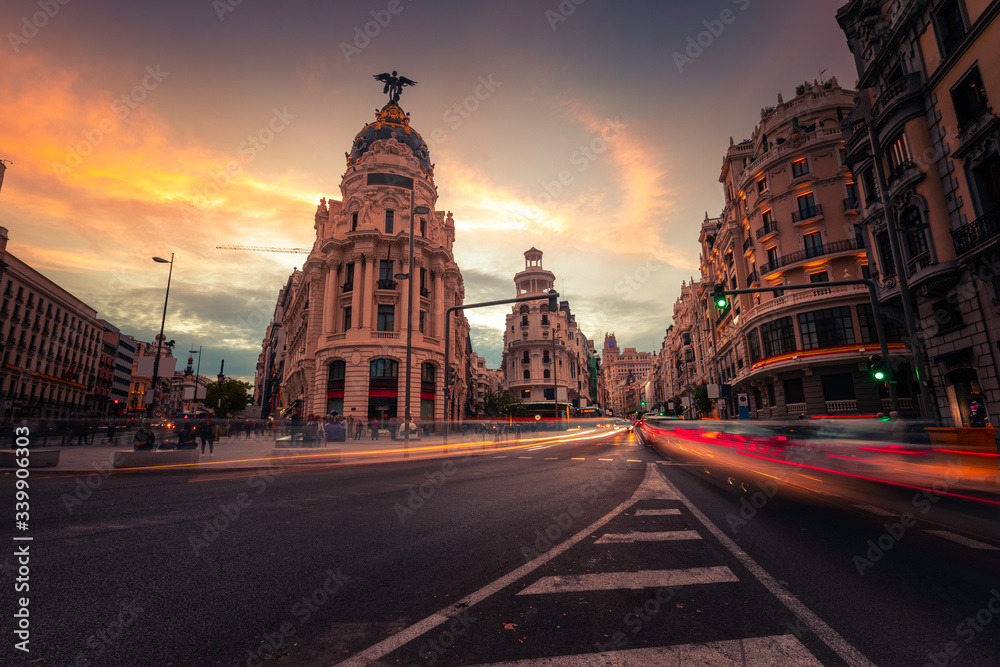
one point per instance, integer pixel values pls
(977, 415)
(144, 439)
(373, 426)
(334, 429)
(311, 433)
(186, 438)
(207, 432)
(357, 430)
(393, 428)
(898, 427)
(111, 433)
(247, 428)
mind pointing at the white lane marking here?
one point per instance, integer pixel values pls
(553, 458)
(963, 540)
(525, 457)
(649, 512)
(578, 459)
(633, 461)
(605, 459)
(776, 650)
(499, 457)
(662, 536)
(379, 650)
(871, 509)
(611, 581)
(824, 632)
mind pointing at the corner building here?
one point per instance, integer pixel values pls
(344, 321)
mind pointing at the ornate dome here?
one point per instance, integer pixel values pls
(391, 122)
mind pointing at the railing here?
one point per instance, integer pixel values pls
(801, 295)
(802, 255)
(796, 408)
(904, 403)
(807, 213)
(901, 170)
(907, 85)
(385, 335)
(768, 228)
(977, 232)
(385, 284)
(841, 406)
(921, 261)
(852, 204)
(782, 148)
(751, 279)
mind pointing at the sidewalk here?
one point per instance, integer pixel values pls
(239, 453)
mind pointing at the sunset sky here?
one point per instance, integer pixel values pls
(127, 125)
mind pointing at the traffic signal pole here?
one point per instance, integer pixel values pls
(890, 375)
(553, 306)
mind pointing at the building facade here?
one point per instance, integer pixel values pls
(925, 143)
(51, 345)
(345, 319)
(624, 372)
(546, 355)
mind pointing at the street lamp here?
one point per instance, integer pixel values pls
(408, 276)
(159, 340)
(222, 377)
(197, 376)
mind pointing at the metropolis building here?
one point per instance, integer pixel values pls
(344, 321)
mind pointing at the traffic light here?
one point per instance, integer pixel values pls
(719, 297)
(451, 375)
(642, 403)
(876, 368)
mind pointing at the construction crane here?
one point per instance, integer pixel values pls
(259, 248)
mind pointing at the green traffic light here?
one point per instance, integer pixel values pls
(721, 302)
(879, 375)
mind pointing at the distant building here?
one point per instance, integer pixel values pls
(624, 372)
(545, 352)
(117, 358)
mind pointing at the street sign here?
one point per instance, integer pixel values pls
(713, 391)
(744, 400)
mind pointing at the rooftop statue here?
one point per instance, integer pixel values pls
(393, 85)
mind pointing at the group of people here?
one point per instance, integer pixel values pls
(187, 436)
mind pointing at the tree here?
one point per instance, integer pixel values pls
(497, 403)
(701, 400)
(236, 395)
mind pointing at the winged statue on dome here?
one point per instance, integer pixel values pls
(393, 85)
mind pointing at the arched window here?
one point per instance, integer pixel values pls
(523, 310)
(384, 368)
(527, 375)
(914, 234)
(546, 374)
(383, 387)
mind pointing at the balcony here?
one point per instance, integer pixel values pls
(842, 406)
(424, 292)
(974, 235)
(905, 174)
(347, 288)
(903, 90)
(918, 263)
(751, 279)
(747, 244)
(904, 404)
(807, 213)
(852, 205)
(768, 229)
(385, 335)
(812, 253)
(386, 284)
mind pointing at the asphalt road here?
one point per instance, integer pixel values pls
(315, 567)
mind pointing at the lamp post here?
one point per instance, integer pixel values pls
(197, 375)
(408, 276)
(222, 378)
(159, 340)
(555, 383)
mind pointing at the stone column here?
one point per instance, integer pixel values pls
(359, 266)
(330, 300)
(368, 299)
(438, 305)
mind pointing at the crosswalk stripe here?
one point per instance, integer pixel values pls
(963, 540)
(609, 581)
(663, 536)
(775, 650)
(657, 512)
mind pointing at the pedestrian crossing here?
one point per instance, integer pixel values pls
(648, 584)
